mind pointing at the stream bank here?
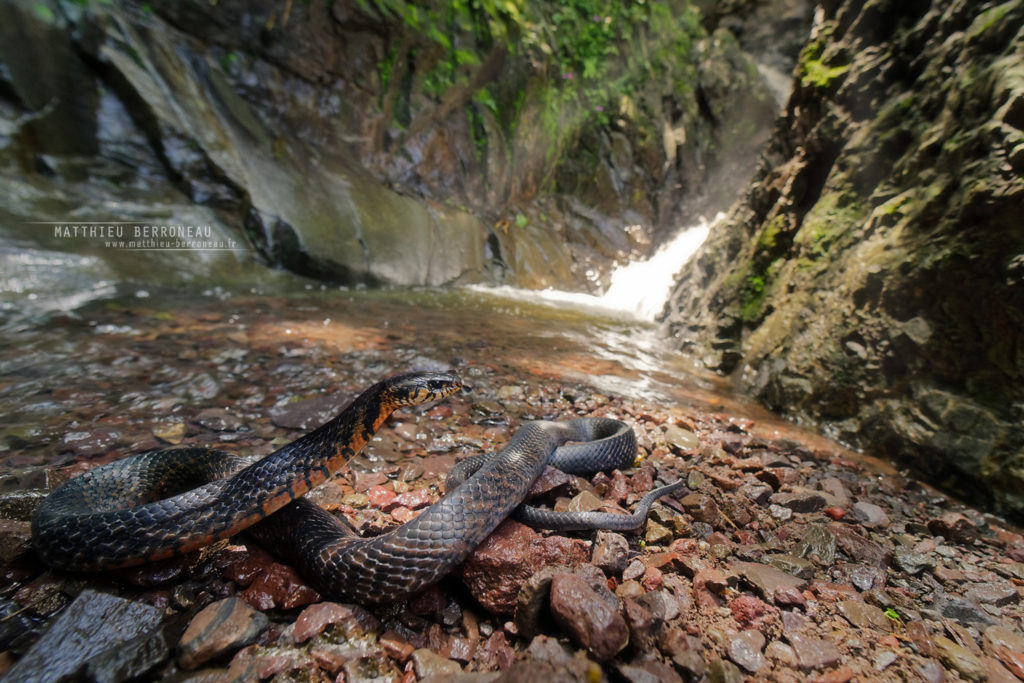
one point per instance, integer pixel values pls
(785, 558)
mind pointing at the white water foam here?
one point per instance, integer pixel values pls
(638, 289)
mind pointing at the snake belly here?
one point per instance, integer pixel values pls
(403, 561)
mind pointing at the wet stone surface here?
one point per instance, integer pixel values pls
(784, 558)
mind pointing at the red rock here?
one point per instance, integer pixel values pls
(496, 653)
(835, 513)
(380, 497)
(255, 663)
(652, 580)
(551, 484)
(642, 481)
(1014, 661)
(218, 628)
(395, 646)
(838, 676)
(789, 596)
(750, 612)
(403, 514)
(589, 618)
(413, 500)
(831, 592)
(316, 618)
(714, 580)
(508, 557)
(431, 600)
(363, 481)
(279, 586)
(685, 546)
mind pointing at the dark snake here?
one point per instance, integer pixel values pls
(155, 505)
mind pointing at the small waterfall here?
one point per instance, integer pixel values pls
(638, 289)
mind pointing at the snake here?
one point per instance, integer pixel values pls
(160, 504)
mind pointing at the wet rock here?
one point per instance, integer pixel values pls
(380, 497)
(799, 500)
(316, 618)
(412, 500)
(766, 579)
(869, 515)
(587, 617)
(309, 413)
(836, 490)
(610, 552)
(259, 663)
(172, 433)
(912, 562)
(99, 634)
(395, 646)
(745, 649)
(959, 659)
(954, 527)
(812, 652)
(279, 586)
(500, 565)
(427, 663)
(219, 420)
(15, 538)
(863, 615)
(681, 439)
(221, 627)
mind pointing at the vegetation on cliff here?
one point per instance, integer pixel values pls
(871, 278)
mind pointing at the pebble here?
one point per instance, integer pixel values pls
(279, 586)
(999, 595)
(649, 671)
(863, 615)
(308, 413)
(869, 515)
(681, 439)
(749, 612)
(685, 651)
(656, 534)
(912, 562)
(702, 508)
(954, 527)
(218, 628)
(745, 649)
(589, 618)
(610, 552)
(813, 653)
(315, 618)
(500, 565)
(859, 548)
(959, 659)
(799, 500)
(766, 579)
(426, 663)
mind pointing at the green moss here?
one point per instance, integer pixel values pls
(828, 222)
(989, 18)
(752, 302)
(814, 66)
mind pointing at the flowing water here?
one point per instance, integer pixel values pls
(92, 367)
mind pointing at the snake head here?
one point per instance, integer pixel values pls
(421, 387)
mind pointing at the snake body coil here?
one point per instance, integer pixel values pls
(117, 515)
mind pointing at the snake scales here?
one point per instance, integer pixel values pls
(156, 505)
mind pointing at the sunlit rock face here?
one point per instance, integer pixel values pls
(872, 277)
(358, 145)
